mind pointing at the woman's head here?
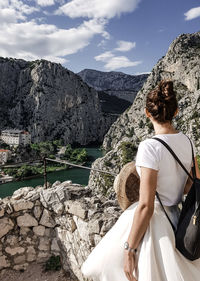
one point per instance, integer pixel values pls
(161, 102)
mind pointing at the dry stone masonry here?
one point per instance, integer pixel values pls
(61, 220)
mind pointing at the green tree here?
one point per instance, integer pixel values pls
(44, 149)
(68, 151)
(24, 171)
(82, 156)
(58, 143)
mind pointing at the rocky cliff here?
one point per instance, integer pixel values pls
(117, 84)
(182, 65)
(51, 102)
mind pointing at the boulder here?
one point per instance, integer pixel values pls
(6, 225)
(26, 220)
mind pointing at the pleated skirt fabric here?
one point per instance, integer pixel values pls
(157, 258)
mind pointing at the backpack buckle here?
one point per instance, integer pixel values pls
(194, 219)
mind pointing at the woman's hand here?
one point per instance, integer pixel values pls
(129, 265)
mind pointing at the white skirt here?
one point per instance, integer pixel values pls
(157, 260)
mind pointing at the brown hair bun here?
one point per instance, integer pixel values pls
(161, 102)
(165, 90)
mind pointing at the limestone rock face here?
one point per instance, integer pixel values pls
(51, 102)
(182, 65)
(114, 83)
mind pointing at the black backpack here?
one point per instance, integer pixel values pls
(187, 233)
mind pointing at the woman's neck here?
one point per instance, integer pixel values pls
(165, 128)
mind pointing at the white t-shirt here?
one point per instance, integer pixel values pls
(171, 176)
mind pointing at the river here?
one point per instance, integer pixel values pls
(76, 175)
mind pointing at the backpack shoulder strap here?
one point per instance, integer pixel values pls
(193, 168)
(174, 155)
(173, 227)
(180, 163)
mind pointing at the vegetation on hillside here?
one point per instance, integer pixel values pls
(48, 149)
(128, 151)
(77, 155)
(28, 171)
(53, 263)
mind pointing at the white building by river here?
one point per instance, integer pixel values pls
(5, 155)
(15, 137)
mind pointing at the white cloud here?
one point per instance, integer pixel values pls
(56, 59)
(120, 62)
(144, 72)
(18, 6)
(97, 8)
(45, 2)
(104, 56)
(192, 13)
(124, 46)
(102, 43)
(22, 37)
(113, 62)
(4, 3)
(13, 10)
(9, 15)
(30, 40)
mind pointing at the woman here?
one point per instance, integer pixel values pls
(143, 225)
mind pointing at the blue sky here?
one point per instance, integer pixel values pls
(119, 35)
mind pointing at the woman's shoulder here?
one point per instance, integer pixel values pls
(166, 137)
(151, 146)
(148, 142)
(148, 154)
(175, 141)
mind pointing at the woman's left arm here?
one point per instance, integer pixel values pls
(143, 213)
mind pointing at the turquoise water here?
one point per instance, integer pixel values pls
(76, 175)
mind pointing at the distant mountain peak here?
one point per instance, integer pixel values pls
(119, 84)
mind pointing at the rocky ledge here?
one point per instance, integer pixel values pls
(61, 220)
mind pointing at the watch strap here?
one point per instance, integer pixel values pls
(128, 248)
(132, 250)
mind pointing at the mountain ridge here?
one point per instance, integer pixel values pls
(119, 84)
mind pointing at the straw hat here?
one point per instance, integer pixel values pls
(126, 185)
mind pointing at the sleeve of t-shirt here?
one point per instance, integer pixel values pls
(146, 156)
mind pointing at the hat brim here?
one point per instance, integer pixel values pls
(126, 185)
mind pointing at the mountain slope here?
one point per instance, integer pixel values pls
(117, 84)
(182, 65)
(51, 102)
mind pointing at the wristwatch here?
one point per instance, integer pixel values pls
(126, 247)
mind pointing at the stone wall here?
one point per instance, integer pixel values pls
(62, 220)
